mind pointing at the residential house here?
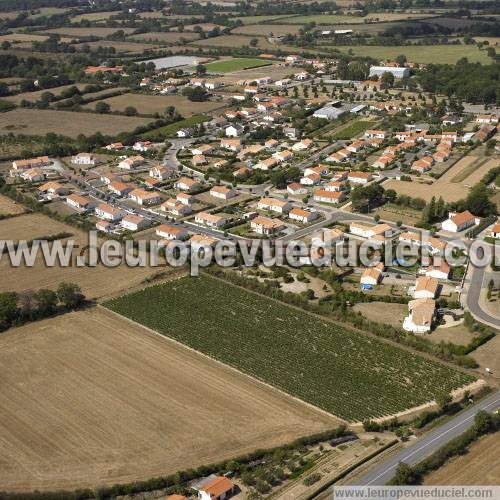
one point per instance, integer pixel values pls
(212, 220)
(375, 134)
(161, 173)
(201, 149)
(120, 188)
(171, 232)
(439, 271)
(458, 222)
(296, 189)
(184, 132)
(143, 197)
(199, 160)
(176, 207)
(377, 231)
(33, 175)
(234, 130)
(142, 146)
(131, 162)
(30, 163)
(271, 144)
(84, 159)
(80, 202)
(421, 315)
(215, 488)
(324, 196)
(52, 188)
(274, 205)
(372, 275)
(335, 186)
(301, 215)
(104, 226)
(321, 170)
(310, 180)
(330, 236)
(132, 222)
(426, 287)
(231, 144)
(115, 146)
(266, 226)
(185, 198)
(487, 119)
(187, 184)
(360, 177)
(223, 192)
(302, 145)
(266, 164)
(199, 241)
(109, 213)
(282, 156)
(495, 231)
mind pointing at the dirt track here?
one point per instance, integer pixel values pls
(89, 398)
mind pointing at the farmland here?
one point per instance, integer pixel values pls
(320, 362)
(35, 96)
(260, 19)
(228, 65)
(119, 46)
(9, 207)
(267, 29)
(232, 41)
(452, 185)
(94, 16)
(96, 282)
(71, 124)
(85, 32)
(346, 19)
(150, 104)
(164, 37)
(477, 466)
(446, 54)
(170, 130)
(91, 399)
(354, 129)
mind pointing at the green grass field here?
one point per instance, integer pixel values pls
(353, 129)
(94, 16)
(170, 130)
(345, 373)
(228, 65)
(444, 54)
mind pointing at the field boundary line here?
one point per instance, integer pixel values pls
(232, 368)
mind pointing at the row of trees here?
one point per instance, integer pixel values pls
(18, 308)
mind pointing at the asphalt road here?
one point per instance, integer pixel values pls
(475, 280)
(429, 443)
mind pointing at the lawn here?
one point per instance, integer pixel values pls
(170, 130)
(444, 54)
(354, 129)
(344, 373)
(228, 65)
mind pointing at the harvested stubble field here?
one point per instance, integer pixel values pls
(35, 96)
(70, 124)
(149, 104)
(164, 37)
(94, 16)
(275, 71)
(96, 282)
(90, 399)
(84, 32)
(118, 45)
(342, 372)
(321, 19)
(477, 466)
(267, 29)
(30, 226)
(232, 41)
(452, 185)
(22, 37)
(9, 207)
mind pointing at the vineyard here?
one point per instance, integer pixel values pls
(344, 373)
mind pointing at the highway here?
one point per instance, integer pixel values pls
(429, 443)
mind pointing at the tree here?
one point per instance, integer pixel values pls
(478, 201)
(8, 308)
(391, 195)
(254, 42)
(387, 79)
(401, 59)
(200, 69)
(443, 400)
(102, 107)
(47, 302)
(70, 295)
(4, 89)
(404, 475)
(195, 94)
(130, 111)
